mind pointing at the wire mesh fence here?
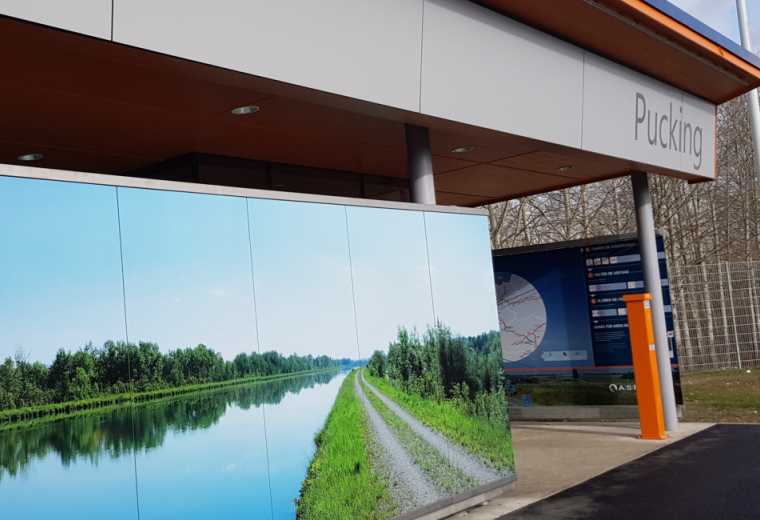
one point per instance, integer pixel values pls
(716, 309)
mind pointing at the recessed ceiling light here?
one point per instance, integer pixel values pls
(462, 149)
(245, 110)
(565, 168)
(30, 157)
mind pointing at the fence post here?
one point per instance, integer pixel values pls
(691, 346)
(677, 298)
(723, 311)
(707, 299)
(752, 294)
(733, 313)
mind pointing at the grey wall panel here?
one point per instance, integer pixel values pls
(491, 71)
(92, 17)
(366, 49)
(629, 115)
(701, 115)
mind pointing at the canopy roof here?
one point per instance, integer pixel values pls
(652, 36)
(93, 105)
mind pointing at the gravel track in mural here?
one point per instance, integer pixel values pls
(457, 456)
(411, 487)
(415, 466)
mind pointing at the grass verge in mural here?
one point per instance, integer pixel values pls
(341, 482)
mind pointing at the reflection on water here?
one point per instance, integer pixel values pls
(95, 435)
(191, 453)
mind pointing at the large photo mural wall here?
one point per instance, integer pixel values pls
(175, 355)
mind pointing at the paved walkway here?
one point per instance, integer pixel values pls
(552, 457)
(709, 476)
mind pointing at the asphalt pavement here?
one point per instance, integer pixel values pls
(712, 475)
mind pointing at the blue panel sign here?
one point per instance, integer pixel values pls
(563, 321)
(613, 270)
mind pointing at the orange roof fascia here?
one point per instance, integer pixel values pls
(704, 44)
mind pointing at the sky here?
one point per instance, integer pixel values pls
(60, 271)
(187, 270)
(461, 270)
(315, 279)
(303, 281)
(721, 16)
(391, 276)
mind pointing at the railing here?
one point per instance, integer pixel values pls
(717, 315)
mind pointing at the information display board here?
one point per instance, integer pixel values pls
(563, 321)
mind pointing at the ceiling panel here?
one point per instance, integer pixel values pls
(485, 149)
(563, 164)
(485, 180)
(442, 164)
(457, 199)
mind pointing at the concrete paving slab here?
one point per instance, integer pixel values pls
(552, 457)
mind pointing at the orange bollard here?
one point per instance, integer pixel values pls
(645, 366)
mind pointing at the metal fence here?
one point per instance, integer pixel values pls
(716, 309)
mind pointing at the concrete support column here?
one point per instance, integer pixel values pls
(420, 164)
(651, 267)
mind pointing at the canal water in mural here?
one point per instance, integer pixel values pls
(180, 444)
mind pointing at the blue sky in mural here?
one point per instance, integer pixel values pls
(303, 281)
(462, 272)
(187, 269)
(188, 272)
(391, 277)
(60, 271)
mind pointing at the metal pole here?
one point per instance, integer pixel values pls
(651, 267)
(754, 105)
(420, 164)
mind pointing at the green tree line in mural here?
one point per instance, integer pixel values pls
(441, 366)
(120, 367)
(113, 433)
